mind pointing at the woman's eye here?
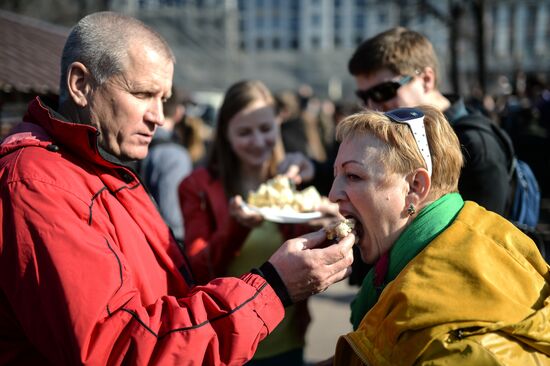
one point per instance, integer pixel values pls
(352, 177)
(243, 133)
(266, 128)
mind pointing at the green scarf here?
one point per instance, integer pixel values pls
(431, 221)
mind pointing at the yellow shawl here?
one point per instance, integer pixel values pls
(478, 294)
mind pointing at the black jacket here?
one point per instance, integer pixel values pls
(485, 177)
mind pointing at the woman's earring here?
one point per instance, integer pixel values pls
(411, 210)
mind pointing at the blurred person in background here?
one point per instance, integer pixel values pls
(292, 125)
(299, 118)
(524, 116)
(311, 116)
(167, 163)
(195, 135)
(223, 238)
(324, 170)
(89, 272)
(452, 283)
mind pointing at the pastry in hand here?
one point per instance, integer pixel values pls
(341, 229)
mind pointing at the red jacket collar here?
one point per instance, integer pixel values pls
(80, 139)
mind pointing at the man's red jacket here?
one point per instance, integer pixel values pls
(89, 273)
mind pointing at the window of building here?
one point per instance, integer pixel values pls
(294, 23)
(260, 22)
(531, 29)
(172, 2)
(316, 20)
(337, 41)
(422, 17)
(242, 45)
(359, 21)
(276, 21)
(294, 43)
(260, 43)
(337, 22)
(503, 29)
(276, 43)
(315, 42)
(358, 40)
(382, 17)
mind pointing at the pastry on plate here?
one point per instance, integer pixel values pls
(280, 193)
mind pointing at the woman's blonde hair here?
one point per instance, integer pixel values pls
(401, 154)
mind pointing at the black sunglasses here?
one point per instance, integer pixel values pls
(383, 91)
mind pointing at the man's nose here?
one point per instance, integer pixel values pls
(155, 113)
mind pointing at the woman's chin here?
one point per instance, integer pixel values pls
(368, 260)
(367, 255)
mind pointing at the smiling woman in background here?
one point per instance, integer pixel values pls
(452, 283)
(222, 238)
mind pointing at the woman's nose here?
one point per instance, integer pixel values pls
(258, 138)
(335, 194)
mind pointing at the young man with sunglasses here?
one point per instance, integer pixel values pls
(398, 68)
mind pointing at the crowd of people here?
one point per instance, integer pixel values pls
(125, 238)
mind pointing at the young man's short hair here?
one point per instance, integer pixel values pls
(400, 50)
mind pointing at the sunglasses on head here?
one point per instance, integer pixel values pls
(414, 118)
(383, 91)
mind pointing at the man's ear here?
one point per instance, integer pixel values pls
(79, 83)
(428, 79)
(419, 186)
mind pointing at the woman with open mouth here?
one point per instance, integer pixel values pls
(451, 282)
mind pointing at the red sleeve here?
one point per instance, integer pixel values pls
(74, 296)
(210, 248)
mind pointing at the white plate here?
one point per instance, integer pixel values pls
(285, 216)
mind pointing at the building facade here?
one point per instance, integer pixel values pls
(289, 42)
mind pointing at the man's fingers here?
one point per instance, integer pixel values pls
(339, 250)
(331, 279)
(314, 239)
(338, 276)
